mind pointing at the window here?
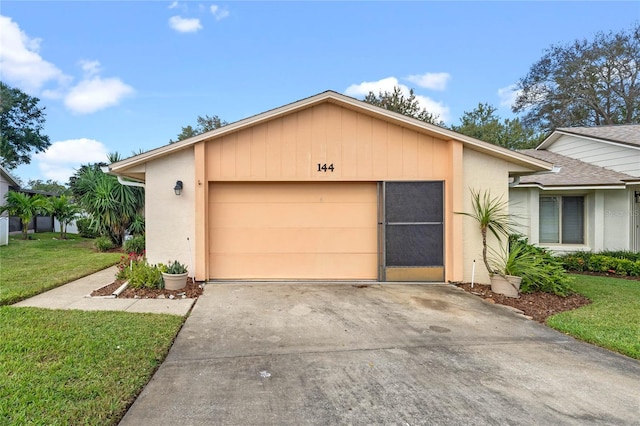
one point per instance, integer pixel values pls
(562, 220)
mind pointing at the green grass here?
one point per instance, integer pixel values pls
(611, 321)
(30, 267)
(75, 367)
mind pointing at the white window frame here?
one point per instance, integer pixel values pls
(560, 217)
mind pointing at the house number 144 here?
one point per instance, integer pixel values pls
(325, 168)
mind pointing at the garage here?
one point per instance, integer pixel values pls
(324, 188)
(293, 230)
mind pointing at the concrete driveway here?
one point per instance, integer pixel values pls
(273, 354)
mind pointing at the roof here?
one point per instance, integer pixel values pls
(625, 134)
(120, 167)
(573, 173)
(12, 180)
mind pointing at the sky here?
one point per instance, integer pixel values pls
(123, 76)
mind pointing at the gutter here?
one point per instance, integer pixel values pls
(516, 179)
(121, 181)
(130, 182)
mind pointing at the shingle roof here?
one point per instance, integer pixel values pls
(573, 172)
(622, 133)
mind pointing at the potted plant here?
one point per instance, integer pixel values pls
(492, 215)
(174, 275)
(510, 264)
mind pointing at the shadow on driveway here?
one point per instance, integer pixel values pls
(298, 354)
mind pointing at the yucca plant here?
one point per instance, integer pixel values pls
(492, 215)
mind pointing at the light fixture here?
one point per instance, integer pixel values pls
(637, 195)
(178, 188)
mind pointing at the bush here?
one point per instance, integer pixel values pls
(547, 276)
(144, 275)
(135, 245)
(600, 263)
(612, 262)
(103, 243)
(125, 265)
(85, 229)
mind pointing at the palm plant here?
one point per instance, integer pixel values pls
(65, 211)
(25, 207)
(492, 215)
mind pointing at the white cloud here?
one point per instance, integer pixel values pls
(173, 5)
(62, 158)
(431, 80)
(363, 89)
(20, 59)
(90, 68)
(184, 25)
(387, 85)
(218, 13)
(96, 93)
(508, 95)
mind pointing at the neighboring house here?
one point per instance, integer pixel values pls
(7, 182)
(328, 188)
(593, 202)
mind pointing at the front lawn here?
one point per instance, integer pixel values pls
(611, 321)
(33, 266)
(74, 367)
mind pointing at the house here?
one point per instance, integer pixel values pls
(593, 202)
(327, 188)
(7, 182)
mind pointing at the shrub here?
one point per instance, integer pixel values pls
(547, 275)
(135, 245)
(125, 265)
(600, 263)
(103, 243)
(85, 229)
(144, 275)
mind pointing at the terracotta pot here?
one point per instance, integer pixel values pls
(174, 281)
(508, 285)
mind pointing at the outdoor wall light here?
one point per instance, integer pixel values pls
(178, 188)
(637, 195)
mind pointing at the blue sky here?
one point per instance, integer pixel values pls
(127, 75)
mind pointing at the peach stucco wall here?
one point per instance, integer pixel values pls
(170, 219)
(481, 172)
(360, 148)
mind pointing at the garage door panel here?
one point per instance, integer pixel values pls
(282, 240)
(295, 266)
(301, 230)
(292, 215)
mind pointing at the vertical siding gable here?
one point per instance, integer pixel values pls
(360, 147)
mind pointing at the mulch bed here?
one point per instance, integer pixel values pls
(191, 291)
(539, 306)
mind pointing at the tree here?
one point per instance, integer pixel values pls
(49, 186)
(205, 124)
(65, 211)
(584, 83)
(112, 206)
(483, 123)
(25, 207)
(396, 101)
(21, 124)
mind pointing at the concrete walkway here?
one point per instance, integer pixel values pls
(75, 295)
(365, 355)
